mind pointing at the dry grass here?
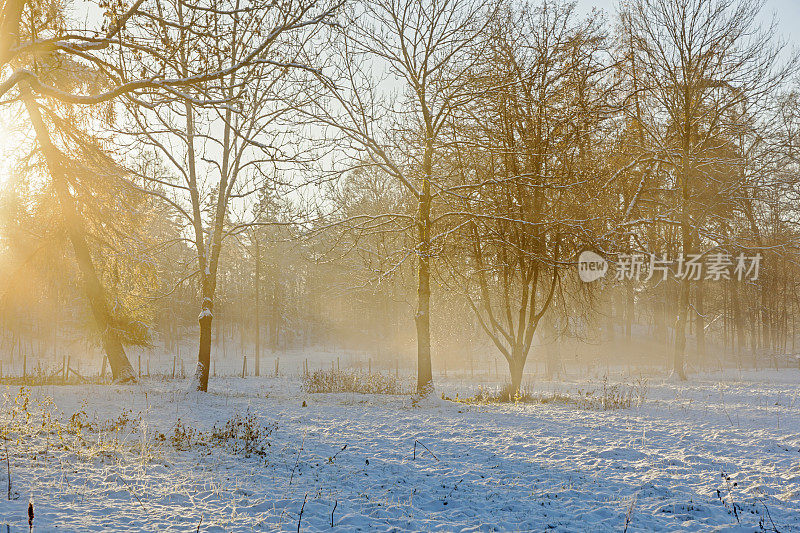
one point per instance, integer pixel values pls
(352, 381)
(54, 379)
(29, 421)
(604, 397)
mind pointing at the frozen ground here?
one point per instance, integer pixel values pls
(707, 455)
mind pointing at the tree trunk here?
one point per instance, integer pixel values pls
(766, 325)
(610, 315)
(679, 354)
(217, 337)
(204, 352)
(9, 27)
(738, 325)
(422, 319)
(659, 317)
(680, 332)
(629, 301)
(516, 367)
(275, 317)
(553, 349)
(700, 322)
(121, 368)
(753, 332)
(258, 308)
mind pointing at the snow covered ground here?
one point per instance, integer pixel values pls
(706, 455)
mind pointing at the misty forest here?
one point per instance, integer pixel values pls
(399, 265)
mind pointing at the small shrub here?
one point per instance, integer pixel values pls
(183, 437)
(80, 421)
(242, 434)
(351, 381)
(125, 418)
(239, 435)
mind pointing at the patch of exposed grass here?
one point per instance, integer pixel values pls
(28, 424)
(352, 381)
(604, 397)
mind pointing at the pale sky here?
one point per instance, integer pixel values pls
(787, 14)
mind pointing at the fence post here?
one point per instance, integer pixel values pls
(277, 362)
(244, 366)
(174, 362)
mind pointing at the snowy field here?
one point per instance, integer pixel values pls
(707, 455)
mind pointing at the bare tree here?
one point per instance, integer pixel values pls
(701, 64)
(222, 139)
(530, 175)
(424, 49)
